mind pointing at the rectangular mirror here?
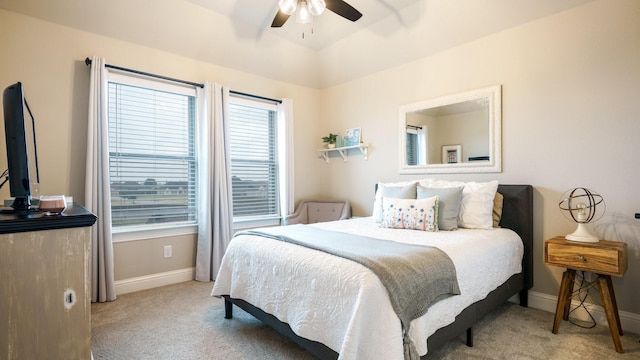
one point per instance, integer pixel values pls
(458, 133)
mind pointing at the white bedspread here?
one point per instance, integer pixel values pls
(342, 304)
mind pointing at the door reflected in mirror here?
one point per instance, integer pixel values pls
(452, 134)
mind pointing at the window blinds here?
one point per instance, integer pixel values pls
(254, 154)
(412, 148)
(152, 158)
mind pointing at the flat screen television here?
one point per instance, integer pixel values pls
(22, 158)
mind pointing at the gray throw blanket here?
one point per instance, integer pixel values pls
(415, 276)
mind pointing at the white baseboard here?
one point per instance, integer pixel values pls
(154, 280)
(630, 322)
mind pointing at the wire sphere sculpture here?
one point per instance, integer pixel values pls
(582, 206)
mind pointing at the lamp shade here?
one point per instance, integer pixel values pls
(582, 206)
(316, 7)
(288, 6)
(303, 15)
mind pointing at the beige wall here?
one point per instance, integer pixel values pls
(570, 101)
(49, 60)
(571, 84)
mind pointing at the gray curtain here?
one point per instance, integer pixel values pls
(215, 203)
(97, 195)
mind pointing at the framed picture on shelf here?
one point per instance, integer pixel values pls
(451, 154)
(352, 137)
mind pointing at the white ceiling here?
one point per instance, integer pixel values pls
(237, 33)
(328, 28)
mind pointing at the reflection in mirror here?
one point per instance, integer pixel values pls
(452, 134)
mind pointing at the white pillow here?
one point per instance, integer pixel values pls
(399, 190)
(414, 214)
(439, 184)
(476, 206)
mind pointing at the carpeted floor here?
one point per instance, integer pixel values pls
(182, 321)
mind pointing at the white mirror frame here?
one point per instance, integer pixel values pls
(493, 95)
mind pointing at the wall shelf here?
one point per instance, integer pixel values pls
(343, 151)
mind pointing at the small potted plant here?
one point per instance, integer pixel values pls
(330, 140)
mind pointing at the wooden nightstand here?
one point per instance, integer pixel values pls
(604, 258)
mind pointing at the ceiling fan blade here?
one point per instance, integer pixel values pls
(279, 19)
(343, 9)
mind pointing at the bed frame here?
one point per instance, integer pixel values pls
(517, 214)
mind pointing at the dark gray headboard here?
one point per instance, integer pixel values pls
(517, 215)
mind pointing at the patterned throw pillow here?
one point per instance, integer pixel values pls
(415, 214)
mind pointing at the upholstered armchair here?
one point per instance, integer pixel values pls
(313, 211)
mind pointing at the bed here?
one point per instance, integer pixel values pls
(301, 292)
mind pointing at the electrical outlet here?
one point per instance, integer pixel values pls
(168, 251)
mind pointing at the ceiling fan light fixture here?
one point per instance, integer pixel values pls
(303, 15)
(288, 6)
(316, 7)
(303, 11)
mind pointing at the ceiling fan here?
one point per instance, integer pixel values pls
(306, 9)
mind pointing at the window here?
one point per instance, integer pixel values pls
(253, 128)
(412, 148)
(152, 160)
(416, 145)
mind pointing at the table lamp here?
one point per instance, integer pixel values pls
(582, 206)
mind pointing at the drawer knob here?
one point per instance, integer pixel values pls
(582, 258)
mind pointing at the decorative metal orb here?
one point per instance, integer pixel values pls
(582, 206)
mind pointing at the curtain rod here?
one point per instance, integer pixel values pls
(255, 96)
(87, 62)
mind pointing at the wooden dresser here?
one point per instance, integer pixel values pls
(604, 258)
(45, 304)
